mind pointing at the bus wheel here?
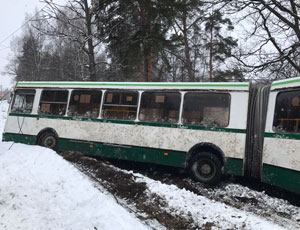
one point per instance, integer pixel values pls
(48, 140)
(206, 168)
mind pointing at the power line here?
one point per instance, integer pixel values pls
(10, 35)
(5, 48)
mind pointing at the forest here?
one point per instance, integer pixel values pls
(152, 40)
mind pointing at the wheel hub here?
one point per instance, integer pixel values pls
(49, 142)
(205, 169)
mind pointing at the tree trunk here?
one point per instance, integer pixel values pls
(145, 68)
(187, 52)
(211, 55)
(91, 54)
(150, 58)
(146, 51)
(150, 67)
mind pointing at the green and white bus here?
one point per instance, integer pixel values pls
(208, 128)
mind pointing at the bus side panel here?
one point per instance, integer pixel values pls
(165, 157)
(234, 166)
(281, 177)
(281, 158)
(281, 163)
(157, 144)
(19, 138)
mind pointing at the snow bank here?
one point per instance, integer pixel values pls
(40, 190)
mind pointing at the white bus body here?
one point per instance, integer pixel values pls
(207, 148)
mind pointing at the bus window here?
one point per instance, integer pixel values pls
(287, 112)
(119, 105)
(23, 101)
(207, 109)
(53, 102)
(85, 103)
(160, 107)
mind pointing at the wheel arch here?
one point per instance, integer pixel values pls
(205, 147)
(45, 130)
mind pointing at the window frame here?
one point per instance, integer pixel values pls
(14, 98)
(161, 91)
(106, 91)
(207, 92)
(84, 89)
(275, 106)
(49, 102)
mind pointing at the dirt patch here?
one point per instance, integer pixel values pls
(123, 186)
(255, 203)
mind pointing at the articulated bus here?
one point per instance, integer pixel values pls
(210, 129)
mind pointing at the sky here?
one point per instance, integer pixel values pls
(12, 18)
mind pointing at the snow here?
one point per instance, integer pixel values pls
(40, 190)
(6, 82)
(187, 203)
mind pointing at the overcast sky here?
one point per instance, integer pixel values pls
(12, 17)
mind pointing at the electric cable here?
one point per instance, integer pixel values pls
(18, 121)
(27, 21)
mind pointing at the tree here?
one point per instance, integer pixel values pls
(135, 32)
(27, 63)
(219, 47)
(276, 33)
(142, 41)
(75, 22)
(40, 56)
(189, 15)
(199, 29)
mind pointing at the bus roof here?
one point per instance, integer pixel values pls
(137, 85)
(286, 83)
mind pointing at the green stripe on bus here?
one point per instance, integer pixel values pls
(129, 84)
(193, 127)
(286, 82)
(234, 166)
(19, 138)
(132, 153)
(281, 177)
(292, 136)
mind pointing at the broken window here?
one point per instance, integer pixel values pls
(287, 112)
(53, 102)
(207, 109)
(160, 107)
(120, 105)
(85, 103)
(23, 101)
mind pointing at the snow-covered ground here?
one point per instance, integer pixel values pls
(41, 190)
(204, 210)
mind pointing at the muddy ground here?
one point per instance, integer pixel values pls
(118, 178)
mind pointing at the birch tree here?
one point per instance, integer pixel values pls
(78, 19)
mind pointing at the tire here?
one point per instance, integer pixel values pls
(48, 140)
(206, 168)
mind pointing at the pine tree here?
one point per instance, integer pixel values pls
(135, 31)
(30, 60)
(219, 46)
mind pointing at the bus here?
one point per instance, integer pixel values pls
(210, 129)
